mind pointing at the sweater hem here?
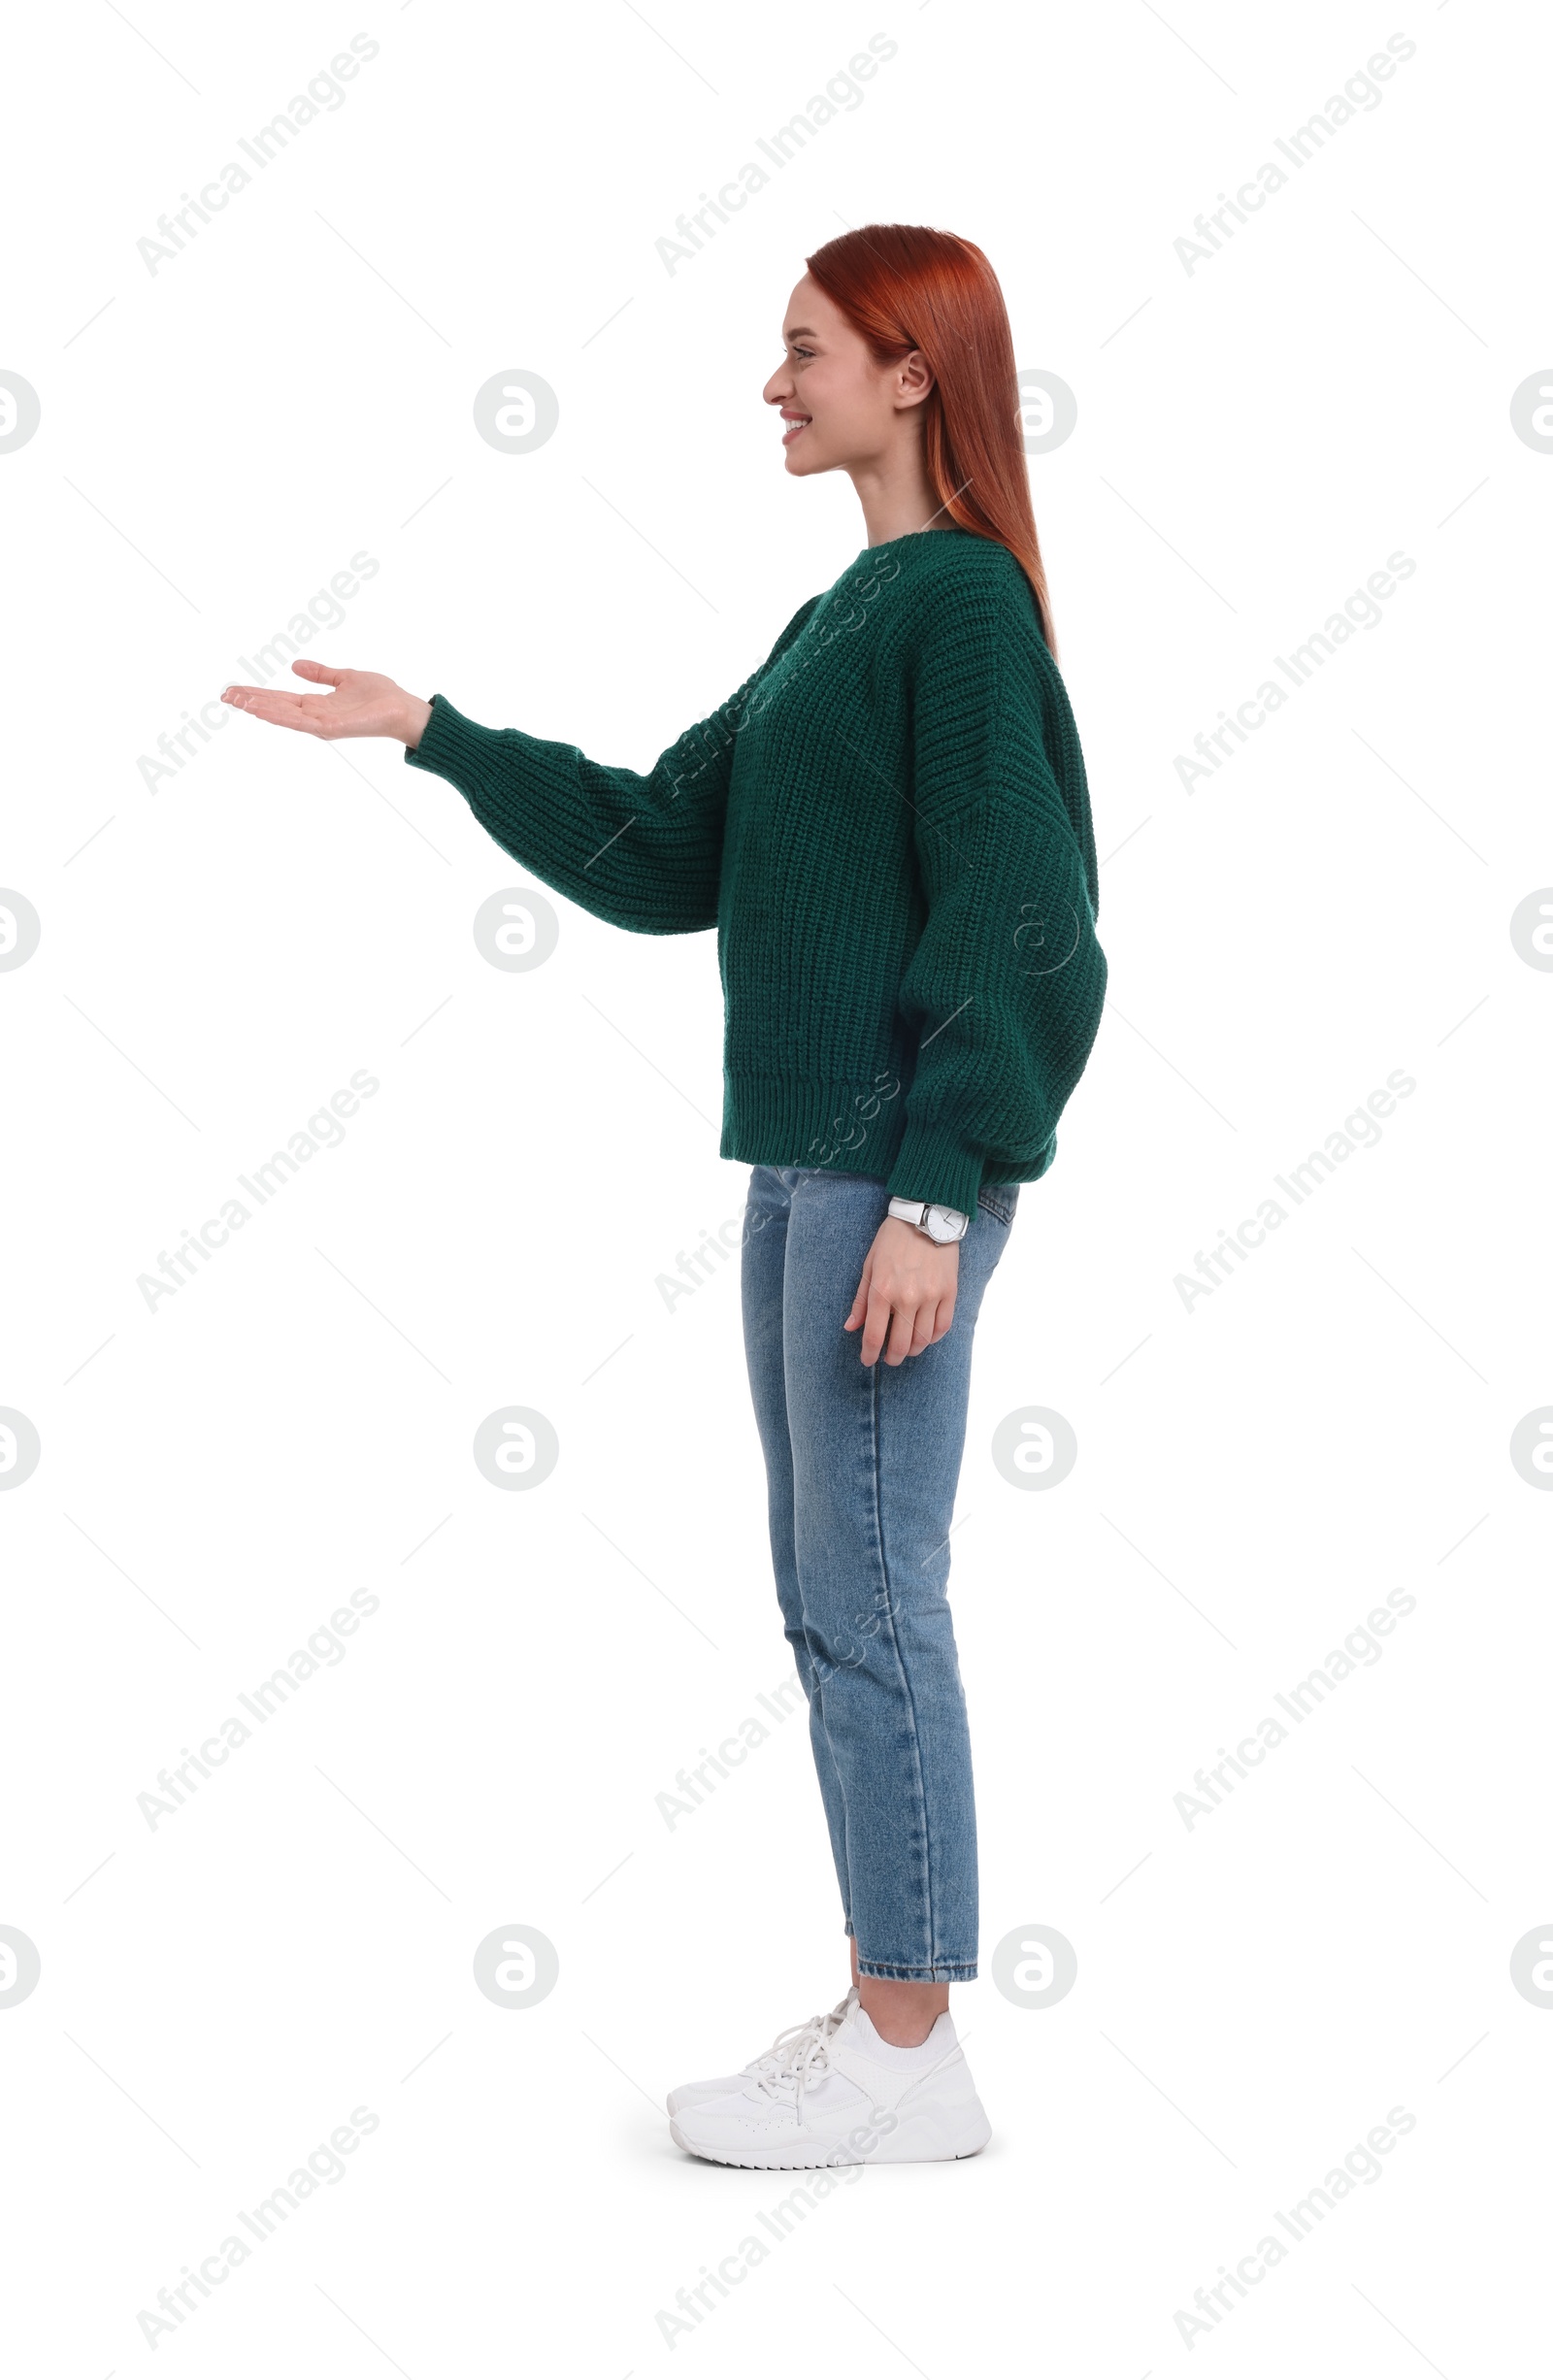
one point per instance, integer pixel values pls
(861, 1127)
(853, 1126)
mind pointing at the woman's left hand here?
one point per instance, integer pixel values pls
(907, 1275)
(361, 703)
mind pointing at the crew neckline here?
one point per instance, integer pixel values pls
(951, 528)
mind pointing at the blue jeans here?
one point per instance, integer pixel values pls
(862, 1464)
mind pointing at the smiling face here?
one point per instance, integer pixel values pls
(839, 410)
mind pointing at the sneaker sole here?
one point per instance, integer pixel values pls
(927, 2139)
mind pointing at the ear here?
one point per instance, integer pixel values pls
(913, 379)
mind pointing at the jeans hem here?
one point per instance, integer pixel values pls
(946, 1971)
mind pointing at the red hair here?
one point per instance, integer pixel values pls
(902, 285)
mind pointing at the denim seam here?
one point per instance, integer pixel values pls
(905, 1682)
(945, 1971)
(816, 1701)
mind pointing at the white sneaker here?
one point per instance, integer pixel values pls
(691, 2093)
(842, 2096)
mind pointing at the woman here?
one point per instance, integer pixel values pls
(888, 824)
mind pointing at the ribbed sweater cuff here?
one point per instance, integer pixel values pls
(932, 1164)
(450, 746)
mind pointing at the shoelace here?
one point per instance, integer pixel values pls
(805, 2065)
(798, 2057)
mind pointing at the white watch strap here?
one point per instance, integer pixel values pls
(915, 1211)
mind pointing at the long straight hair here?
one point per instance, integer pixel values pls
(902, 285)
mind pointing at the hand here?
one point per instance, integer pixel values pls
(362, 704)
(909, 1275)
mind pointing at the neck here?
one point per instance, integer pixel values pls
(897, 501)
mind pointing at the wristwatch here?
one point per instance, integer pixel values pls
(941, 1224)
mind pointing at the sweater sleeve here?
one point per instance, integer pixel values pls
(641, 851)
(1007, 981)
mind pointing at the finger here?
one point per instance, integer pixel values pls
(860, 1301)
(305, 668)
(914, 1330)
(925, 1330)
(901, 1335)
(922, 1330)
(944, 1318)
(875, 1327)
(243, 698)
(283, 709)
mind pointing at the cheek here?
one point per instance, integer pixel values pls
(857, 404)
(830, 401)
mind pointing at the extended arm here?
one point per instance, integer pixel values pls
(640, 850)
(644, 851)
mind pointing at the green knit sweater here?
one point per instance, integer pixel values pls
(888, 825)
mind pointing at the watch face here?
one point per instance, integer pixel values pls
(940, 1228)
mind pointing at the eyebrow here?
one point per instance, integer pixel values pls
(800, 330)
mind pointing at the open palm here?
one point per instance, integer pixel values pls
(362, 704)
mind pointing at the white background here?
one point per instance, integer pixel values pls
(219, 955)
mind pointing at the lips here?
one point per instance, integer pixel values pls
(796, 422)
